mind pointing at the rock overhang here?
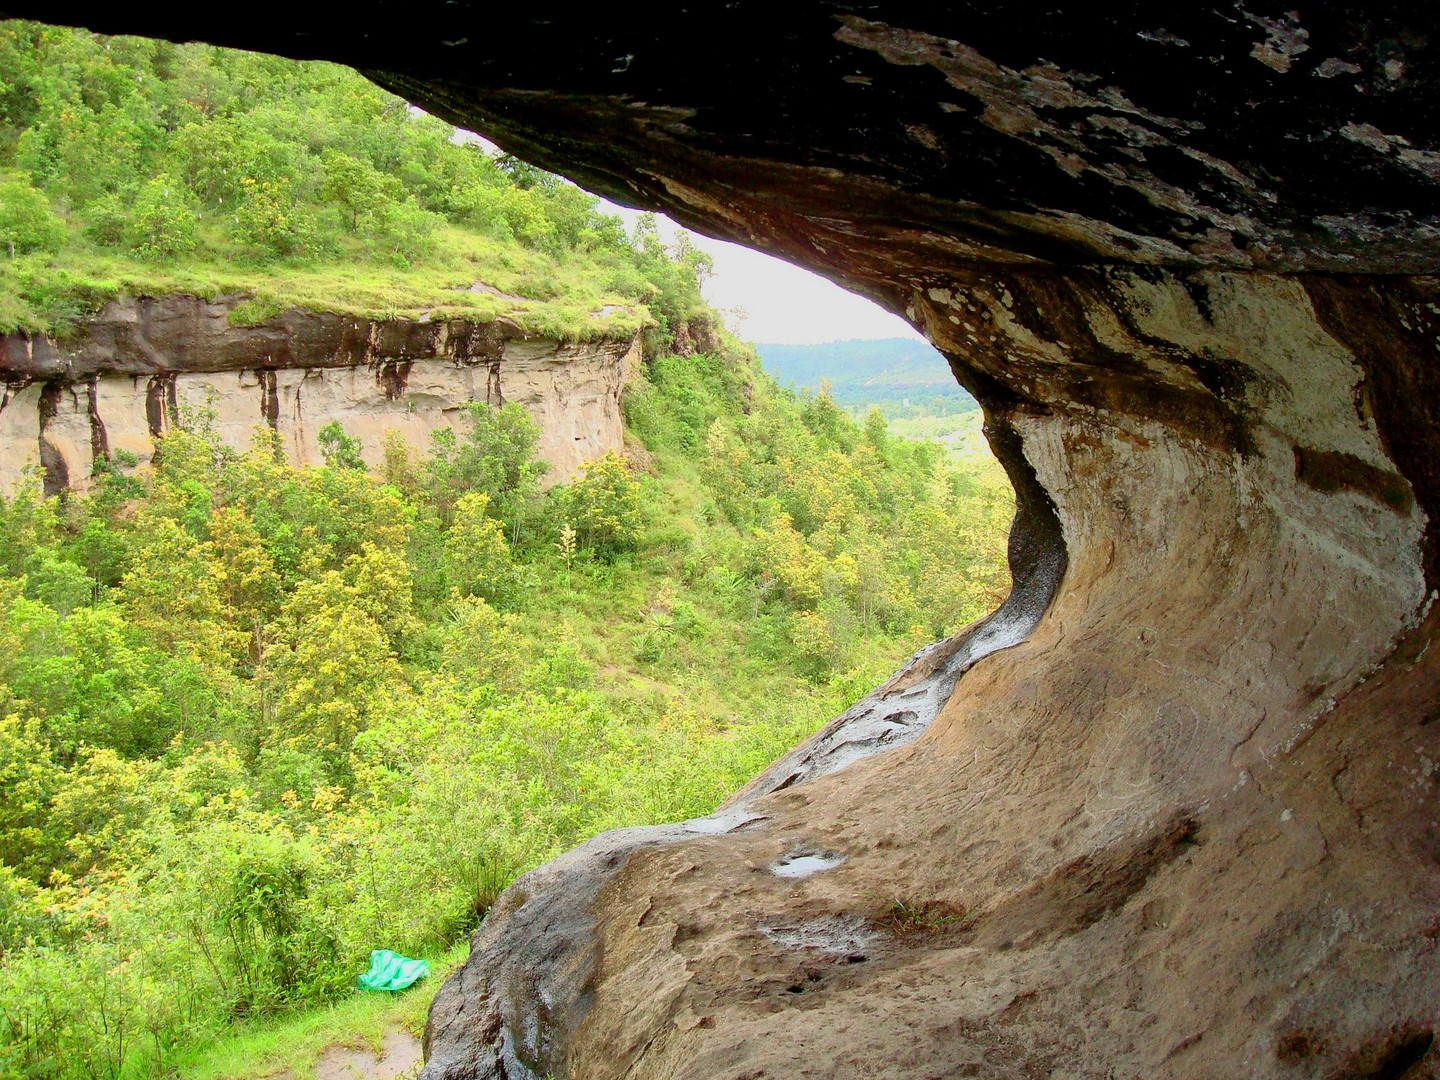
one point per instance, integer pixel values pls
(1246, 135)
(125, 375)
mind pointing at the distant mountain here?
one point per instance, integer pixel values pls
(890, 372)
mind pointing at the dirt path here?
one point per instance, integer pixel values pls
(399, 1057)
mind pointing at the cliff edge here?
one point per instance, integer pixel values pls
(123, 379)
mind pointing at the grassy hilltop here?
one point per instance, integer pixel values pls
(143, 167)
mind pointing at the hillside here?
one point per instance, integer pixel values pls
(260, 719)
(137, 167)
(902, 377)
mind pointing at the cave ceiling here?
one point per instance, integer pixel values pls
(1240, 135)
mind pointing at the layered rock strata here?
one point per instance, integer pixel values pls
(1172, 811)
(143, 365)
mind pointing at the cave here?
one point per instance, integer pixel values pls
(1171, 810)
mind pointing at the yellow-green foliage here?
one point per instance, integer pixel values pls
(603, 506)
(258, 720)
(849, 532)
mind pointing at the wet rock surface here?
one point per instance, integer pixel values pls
(1172, 811)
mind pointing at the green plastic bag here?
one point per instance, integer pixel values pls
(391, 971)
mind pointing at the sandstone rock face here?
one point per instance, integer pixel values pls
(142, 363)
(1171, 812)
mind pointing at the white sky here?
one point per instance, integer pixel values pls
(783, 304)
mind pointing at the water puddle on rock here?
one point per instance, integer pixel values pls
(723, 821)
(803, 864)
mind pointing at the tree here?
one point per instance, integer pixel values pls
(28, 779)
(604, 505)
(163, 224)
(173, 592)
(477, 556)
(338, 449)
(496, 456)
(249, 585)
(332, 668)
(876, 432)
(26, 221)
(356, 186)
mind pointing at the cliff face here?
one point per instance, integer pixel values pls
(1172, 810)
(119, 384)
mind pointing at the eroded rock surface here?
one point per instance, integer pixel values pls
(120, 384)
(1173, 812)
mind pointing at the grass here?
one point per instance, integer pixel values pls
(294, 1046)
(583, 296)
(907, 919)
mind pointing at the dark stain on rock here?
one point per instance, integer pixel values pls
(1390, 1056)
(150, 335)
(270, 398)
(493, 394)
(1390, 325)
(160, 402)
(99, 438)
(1329, 471)
(1098, 376)
(1198, 290)
(393, 377)
(52, 461)
(1297, 1046)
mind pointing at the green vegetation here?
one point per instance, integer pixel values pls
(255, 719)
(907, 919)
(907, 381)
(293, 1045)
(130, 166)
(260, 719)
(904, 378)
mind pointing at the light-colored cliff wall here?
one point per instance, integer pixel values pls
(125, 382)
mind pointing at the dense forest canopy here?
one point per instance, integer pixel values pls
(132, 165)
(255, 719)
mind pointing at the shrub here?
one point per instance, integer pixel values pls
(268, 217)
(339, 450)
(482, 643)
(26, 221)
(276, 942)
(400, 232)
(106, 220)
(163, 224)
(604, 506)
